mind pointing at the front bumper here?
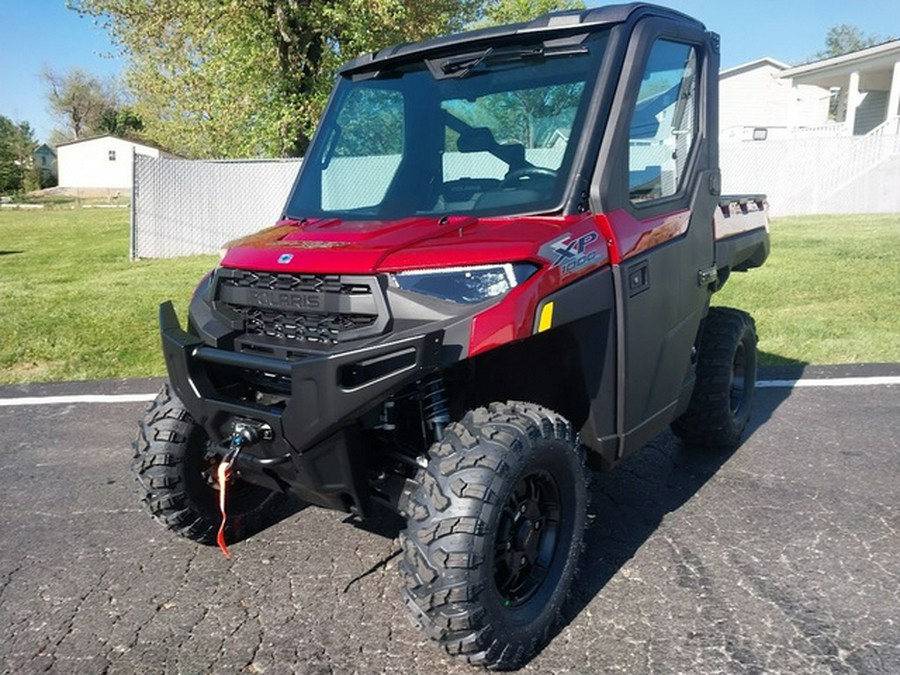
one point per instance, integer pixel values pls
(314, 449)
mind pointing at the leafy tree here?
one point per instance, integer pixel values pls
(843, 39)
(16, 145)
(123, 122)
(497, 12)
(250, 78)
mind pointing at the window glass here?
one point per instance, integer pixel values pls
(487, 131)
(366, 141)
(536, 122)
(664, 123)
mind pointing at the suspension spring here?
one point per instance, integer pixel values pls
(435, 408)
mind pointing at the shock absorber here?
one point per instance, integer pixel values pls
(435, 408)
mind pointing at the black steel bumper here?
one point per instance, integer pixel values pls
(314, 449)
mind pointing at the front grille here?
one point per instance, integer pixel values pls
(284, 309)
(297, 326)
(306, 283)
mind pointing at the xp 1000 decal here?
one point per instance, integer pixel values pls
(572, 253)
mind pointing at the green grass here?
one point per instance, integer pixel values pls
(73, 307)
(829, 293)
(67, 201)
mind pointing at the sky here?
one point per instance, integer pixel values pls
(38, 32)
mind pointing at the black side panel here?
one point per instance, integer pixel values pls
(587, 308)
(569, 368)
(662, 301)
(744, 251)
(661, 325)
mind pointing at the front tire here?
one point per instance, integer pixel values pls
(176, 477)
(726, 379)
(494, 533)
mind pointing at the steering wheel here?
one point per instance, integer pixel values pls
(527, 172)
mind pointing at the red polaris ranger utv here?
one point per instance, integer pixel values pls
(495, 267)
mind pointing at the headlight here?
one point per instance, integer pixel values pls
(465, 284)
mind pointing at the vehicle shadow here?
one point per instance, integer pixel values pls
(629, 502)
(777, 362)
(283, 507)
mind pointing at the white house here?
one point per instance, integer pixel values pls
(847, 95)
(757, 103)
(867, 83)
(44, 158)
(100, 162)
(831, 130)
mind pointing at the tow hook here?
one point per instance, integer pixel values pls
(247, 433)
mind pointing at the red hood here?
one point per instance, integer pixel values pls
(365, 247)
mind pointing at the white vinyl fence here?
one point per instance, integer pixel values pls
(829, 174)
(184, 207)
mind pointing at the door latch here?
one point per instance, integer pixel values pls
(708, 276)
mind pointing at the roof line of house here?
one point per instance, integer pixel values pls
(861, 55)
(118, 138)
(750, 64)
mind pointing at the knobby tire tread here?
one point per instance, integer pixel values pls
(450, 511)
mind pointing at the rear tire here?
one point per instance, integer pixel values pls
(494, 533)
(176, 476)
(726, 380)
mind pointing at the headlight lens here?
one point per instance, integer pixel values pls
(465, 284)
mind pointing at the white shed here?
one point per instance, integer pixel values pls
(100, 162)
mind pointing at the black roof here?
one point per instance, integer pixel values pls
(556, 23)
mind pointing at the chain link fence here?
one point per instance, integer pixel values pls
(186, 207)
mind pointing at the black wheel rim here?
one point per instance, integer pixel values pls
(527, 538)
(738, 390)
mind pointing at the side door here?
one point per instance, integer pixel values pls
(655, 184)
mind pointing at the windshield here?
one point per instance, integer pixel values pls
(487, 133)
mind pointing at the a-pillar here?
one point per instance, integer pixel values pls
(894, 96)
(853, 100)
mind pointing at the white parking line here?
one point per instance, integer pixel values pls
(80, 398)
(829, 382)
(877, 381)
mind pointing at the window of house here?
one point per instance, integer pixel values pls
(664, 122)
(112, 155)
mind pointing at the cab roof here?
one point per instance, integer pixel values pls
(553, 24)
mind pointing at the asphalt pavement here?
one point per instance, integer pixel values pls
(783, 557)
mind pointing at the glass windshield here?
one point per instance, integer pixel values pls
(487, 133)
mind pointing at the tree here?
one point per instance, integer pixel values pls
(123, 122)
(843, 39)
(250, 78)
(16, 145)
(498, 12)
(78, 101)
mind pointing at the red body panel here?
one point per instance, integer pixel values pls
(628, 236)
(368, 247)
(566, 248)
